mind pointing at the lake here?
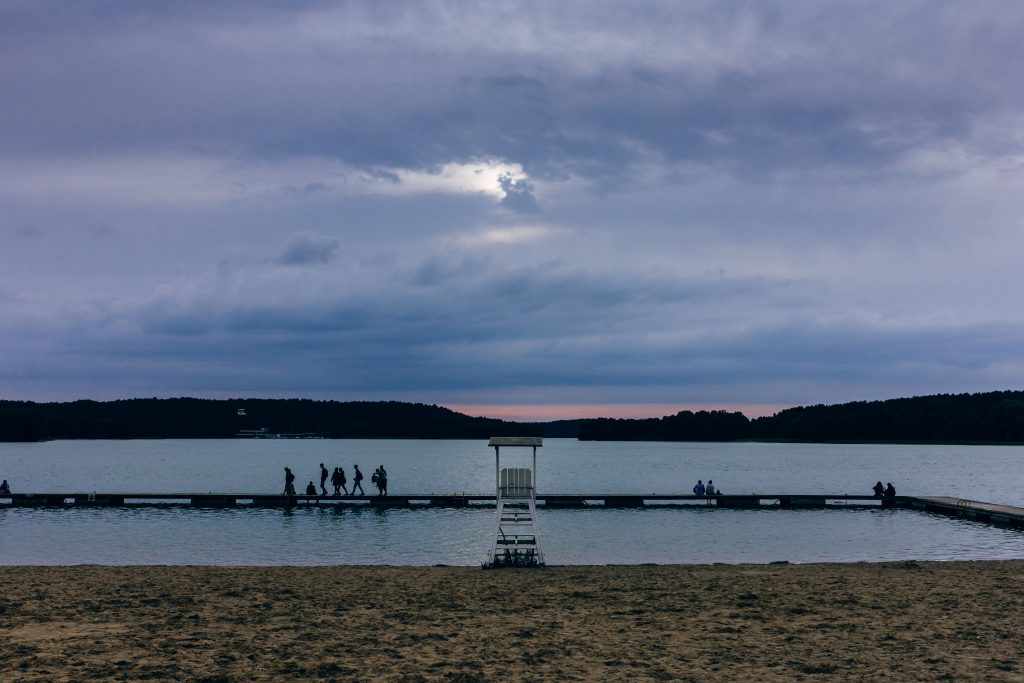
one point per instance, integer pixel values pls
(311, 536)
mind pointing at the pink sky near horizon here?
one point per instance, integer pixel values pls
(546, 412)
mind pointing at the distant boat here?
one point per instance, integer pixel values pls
(264, 433)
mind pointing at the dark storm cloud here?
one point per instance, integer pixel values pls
(518, 195)
(756, 87)
(511, 332)
(308, 248)
(743, 201)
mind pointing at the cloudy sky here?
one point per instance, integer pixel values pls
(516, 209)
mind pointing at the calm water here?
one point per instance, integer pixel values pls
(328, 536)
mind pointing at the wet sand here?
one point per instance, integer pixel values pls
(894, 621)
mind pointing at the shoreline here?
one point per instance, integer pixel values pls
(906, 620)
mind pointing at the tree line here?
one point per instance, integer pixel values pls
(985, 417)
(996, 416)
(195, 418)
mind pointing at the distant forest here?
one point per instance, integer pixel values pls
(994, 417)
(195, 418)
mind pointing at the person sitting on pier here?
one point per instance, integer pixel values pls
(878, 489)
(289, 482)
(698, 490)
(311, 490)
(323, 478)
(5, 489)
(357, 481)
(890, 490)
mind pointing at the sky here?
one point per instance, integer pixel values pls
(531, 210)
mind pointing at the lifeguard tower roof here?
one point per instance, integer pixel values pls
(516, 441)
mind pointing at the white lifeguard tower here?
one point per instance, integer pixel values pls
(516, 532)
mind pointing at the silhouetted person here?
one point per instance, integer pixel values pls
(357, 481)
(310, 490)
(343, 480)
(289, 482)
(323, 478)
(890, 490)
(709, 490)
(698, 490)
(336, 481)
(878, 489)
(5, 489)
(380, 478)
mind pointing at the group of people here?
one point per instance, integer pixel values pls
(380, 480)
(888, 492)
(338, 481)
(702, 489)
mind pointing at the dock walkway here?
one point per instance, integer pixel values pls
(991, 513)
(1005, 515)
(455, 499)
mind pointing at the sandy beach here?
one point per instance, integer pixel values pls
(896, 621)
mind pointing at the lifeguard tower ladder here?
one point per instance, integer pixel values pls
(516, 532)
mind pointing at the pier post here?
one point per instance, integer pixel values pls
(213, 501)
(738, 501)
(623, 502)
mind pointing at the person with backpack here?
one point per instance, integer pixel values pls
(357, 481)
(342, 480)
(289, 482)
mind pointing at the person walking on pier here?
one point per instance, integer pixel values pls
(357, 481)
(380, 478)
(323, 478)
(336, 481)
(289, 482)
(698, 490)
(878, 489)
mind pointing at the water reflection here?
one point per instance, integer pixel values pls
(371, 535)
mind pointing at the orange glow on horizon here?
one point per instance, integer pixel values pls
(546, 412)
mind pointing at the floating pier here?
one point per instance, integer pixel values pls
(991, 513)
(457, 499)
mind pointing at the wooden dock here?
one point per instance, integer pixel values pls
(456, 499)
(991, 513)
(968, 509)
